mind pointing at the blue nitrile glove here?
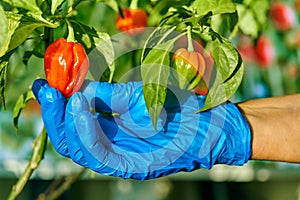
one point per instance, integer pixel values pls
(125, 144)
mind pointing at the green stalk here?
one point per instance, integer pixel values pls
(190, 39)
(134, 4)
(39, 147)
(71, 35)
(61, 185)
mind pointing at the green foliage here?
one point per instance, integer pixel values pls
(10, 22)
(29, 5)
(252, 16)
(3, 72)
(20, 104)
(40, 20)
(104, 45)
(199, 15)
(215, 6)
(54, 5)
(155, 71)
(4, 23)
(29, 26)
(229, 73)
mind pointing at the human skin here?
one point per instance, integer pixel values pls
(275, 127)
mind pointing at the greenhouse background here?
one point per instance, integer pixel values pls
(256, 180)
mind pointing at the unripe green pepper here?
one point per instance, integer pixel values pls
(189, 68)
(66, 65)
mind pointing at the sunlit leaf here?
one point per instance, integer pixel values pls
(25, 4)
(84, 34)
(4, 30)
(11, 21)
(104, 45)
(20, 104)
(55, 4)
(260, 9)
(230, 70)
(247, 21)
(21, 34)
(158, 36)
(155, 72)
(225, 56)
(215, 6)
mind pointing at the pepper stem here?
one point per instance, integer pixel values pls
(134, 4)
(70, 4)
(71, 35)
(190, 39)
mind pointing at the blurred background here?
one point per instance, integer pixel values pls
(271, 69)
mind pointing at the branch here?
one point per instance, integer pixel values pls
(56, 189)
(39, 147)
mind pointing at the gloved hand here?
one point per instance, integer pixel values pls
(119, 139)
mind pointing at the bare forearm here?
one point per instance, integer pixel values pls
(275, 127)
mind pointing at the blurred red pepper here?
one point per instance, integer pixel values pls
(189, 67)
(282, 15)
(265, 51)
(134, 21)
(66, 65)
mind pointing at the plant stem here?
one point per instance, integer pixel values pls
(57, 189)
(70, 5)
(190, 39)
(71, 36)
(111, 75)
(134, 4)
(39, 147)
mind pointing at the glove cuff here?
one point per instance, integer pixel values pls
(236, 140)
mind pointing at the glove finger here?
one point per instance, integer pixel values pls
(38, 87)
(53, 111)
(112, 97)
(86, 137)
(79, 103)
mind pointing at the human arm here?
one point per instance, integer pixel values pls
(275, 127)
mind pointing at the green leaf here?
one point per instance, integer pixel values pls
(260, 9)
(4, 23)
(38, 18)
(84, 34)
(22, 33)
(11, 21)
(253, 16)
(27, 55)
(215, 6)
(221, 91)
(25, 4)
(158, 36)
(20, 104)
(247, 22)
(55, 4)
(3, 72)
(155, 71)
(113, 4)
(104, 45)
(225, 56)
(229, 73)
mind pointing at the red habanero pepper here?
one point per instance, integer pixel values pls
(189, 67)
(66, 65)
(134, 21)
